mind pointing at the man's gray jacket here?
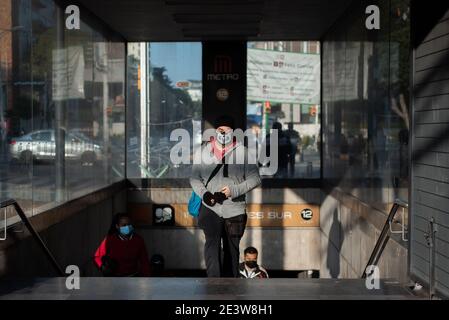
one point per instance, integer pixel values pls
(243, 176)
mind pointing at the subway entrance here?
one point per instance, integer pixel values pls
(303, 142)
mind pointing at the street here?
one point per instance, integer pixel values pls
(33, 185)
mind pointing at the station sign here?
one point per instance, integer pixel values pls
(259, 215)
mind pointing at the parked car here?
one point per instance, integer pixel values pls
(40, 145)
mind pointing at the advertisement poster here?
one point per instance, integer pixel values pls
(68, 73)
(283, 77)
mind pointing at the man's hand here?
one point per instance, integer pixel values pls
(219, 197)
(209, 199)
(226, 191)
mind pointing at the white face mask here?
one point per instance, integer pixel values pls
(224, 138)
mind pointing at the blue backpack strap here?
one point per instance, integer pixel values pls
(194, 204)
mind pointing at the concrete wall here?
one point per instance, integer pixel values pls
(350, 230)
(340, 249)
(72, 232)
(280, 248)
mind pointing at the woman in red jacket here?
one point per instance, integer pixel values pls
(122, 253)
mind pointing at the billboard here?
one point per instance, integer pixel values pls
(283, 77)
(68, 73)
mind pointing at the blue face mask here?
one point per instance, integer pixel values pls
(126, 230)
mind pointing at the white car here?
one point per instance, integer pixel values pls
(40, 145)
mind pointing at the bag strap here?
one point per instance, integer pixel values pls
(214, 173)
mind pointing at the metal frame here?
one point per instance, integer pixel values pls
(274, 183)
(125, 93)
(403, 230)
(411, 137)
(4, 226)
(321, 42)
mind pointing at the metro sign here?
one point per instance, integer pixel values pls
(222, 64)
(223, 69)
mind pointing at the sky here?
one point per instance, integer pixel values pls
(181, 59)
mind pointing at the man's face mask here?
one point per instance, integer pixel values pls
(126, 230)
(251, 264)
(224, 137)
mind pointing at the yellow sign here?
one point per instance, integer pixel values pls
(283, 215)
(259, 215)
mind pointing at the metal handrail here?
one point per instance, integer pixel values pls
(4, 228)
(34, 233)
(384, 235)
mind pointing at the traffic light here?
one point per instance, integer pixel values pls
(312, 111)
(267, 106)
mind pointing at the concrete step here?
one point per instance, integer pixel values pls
(201, 289)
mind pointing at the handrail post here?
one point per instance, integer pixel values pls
(384, 236)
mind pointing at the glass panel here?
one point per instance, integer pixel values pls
(284, 90)
(18, 105)
(172, 82)
(81, 156)
(366, 101)
(116, 110)
(399, 96)
(57, 89)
